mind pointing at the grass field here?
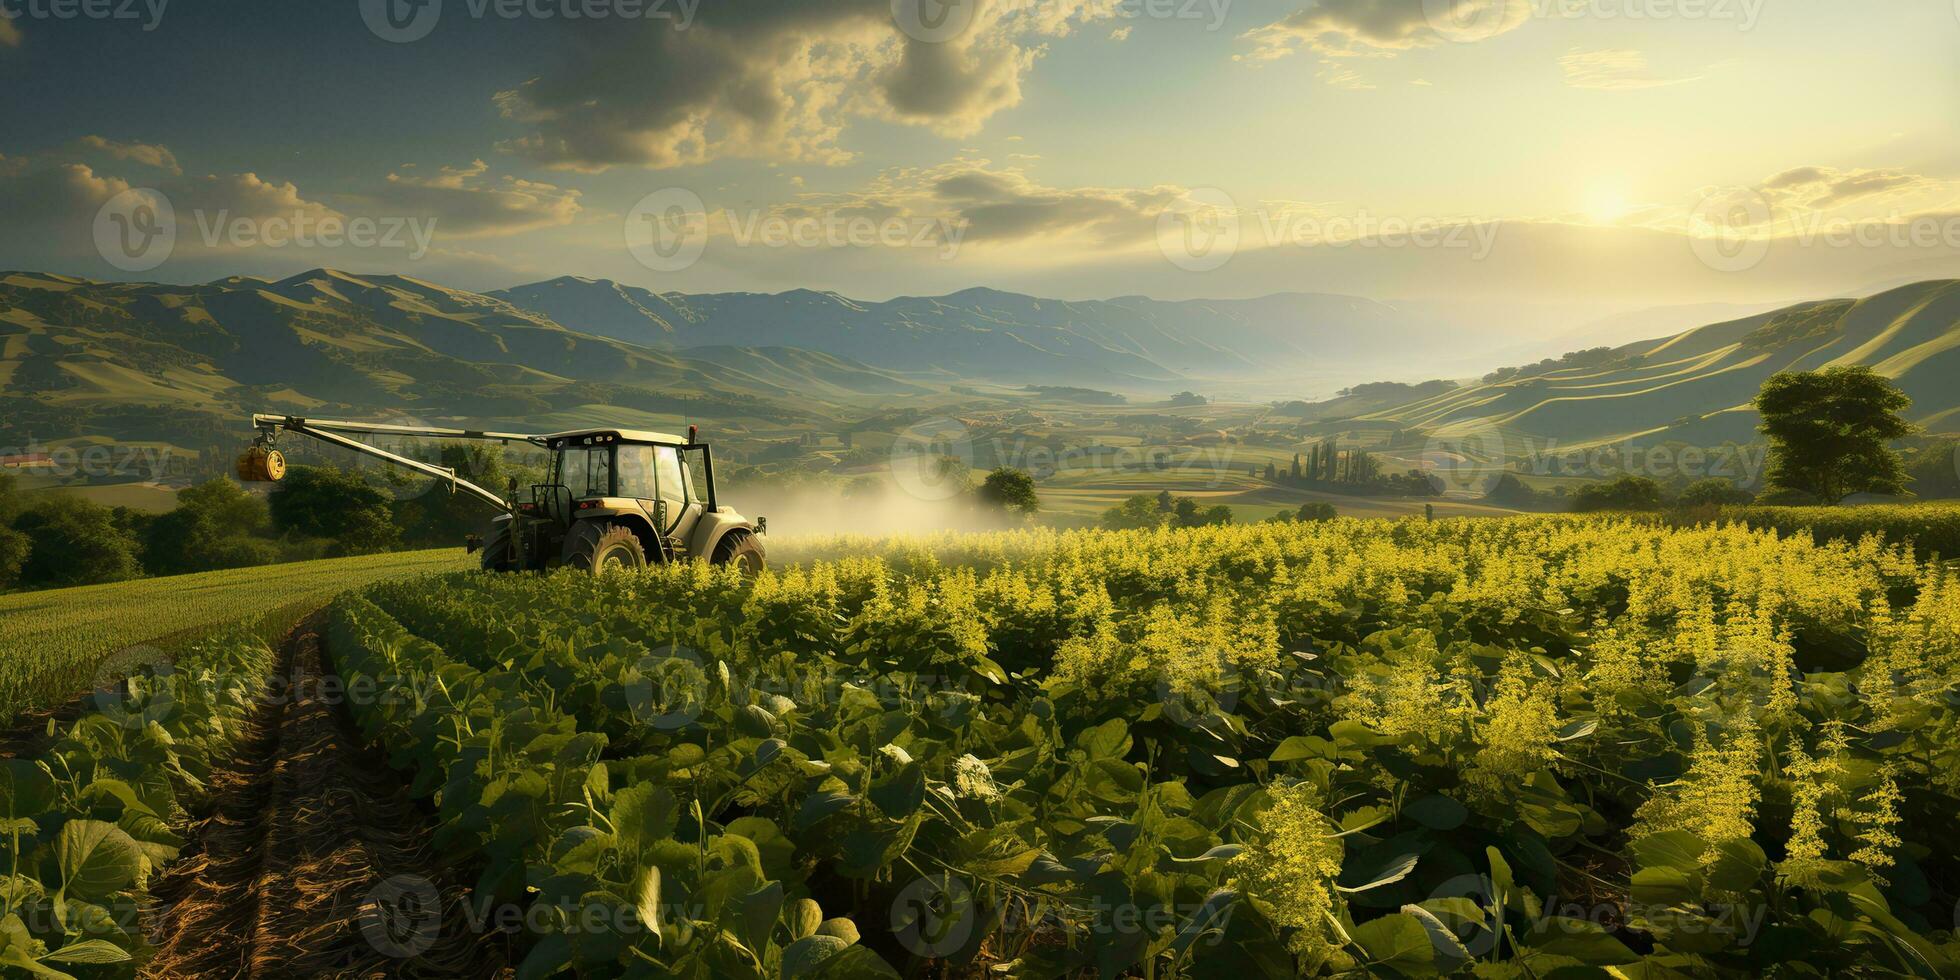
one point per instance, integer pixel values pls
(55, 640)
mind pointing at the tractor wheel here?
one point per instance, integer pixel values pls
(497, 550)
(603, 549)
(741, 549)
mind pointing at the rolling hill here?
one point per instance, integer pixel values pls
(148, 361)
(1697, 386)
(985, 334)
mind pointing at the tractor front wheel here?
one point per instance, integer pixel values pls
(603, 549)
(741, 549)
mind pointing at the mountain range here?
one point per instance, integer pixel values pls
(986, 334)
(146, 361)
(185, 364)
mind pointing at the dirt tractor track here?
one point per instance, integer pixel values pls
(313, 861)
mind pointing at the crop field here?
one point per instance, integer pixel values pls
(52, 642)
(1530, 747)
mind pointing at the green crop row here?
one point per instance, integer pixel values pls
(86, 822)
(53, 643)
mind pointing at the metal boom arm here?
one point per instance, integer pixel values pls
(329, 432)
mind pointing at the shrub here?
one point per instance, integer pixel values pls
(1714, 492)
(1625, 493)
(74, 542)
(1932, 528)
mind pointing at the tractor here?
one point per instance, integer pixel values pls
(615, 498)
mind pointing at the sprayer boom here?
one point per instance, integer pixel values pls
(262, 462)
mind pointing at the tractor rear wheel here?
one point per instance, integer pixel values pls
(741, 549)
(603, 549)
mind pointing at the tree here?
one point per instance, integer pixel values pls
(74, 542)
(1830, 432)
(1318, 512)
(1011, 490)
(1136, 512)
(1165, 501)
(1714, 492)
(14, 545)
(1626, 493)
(1185, 512)
(213, 527)
(323, 502)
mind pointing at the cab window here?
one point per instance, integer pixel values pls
(636, 472)
(667, 462)
(586, 472)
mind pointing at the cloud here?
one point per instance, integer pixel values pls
(1384, 28)
(1615, 69)
(1823, 188)
(773, 79)
(467, 202)
(147, 154)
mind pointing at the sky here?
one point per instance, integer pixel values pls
(1570, 157)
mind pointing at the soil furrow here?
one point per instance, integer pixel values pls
(314, 861)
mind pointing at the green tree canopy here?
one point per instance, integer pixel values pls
(1831, 432)
(1626, 493)
(75, 542)
(1010, 490)
(1714, 492)
(1139, 511)
(213, 527)
(323, 502)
